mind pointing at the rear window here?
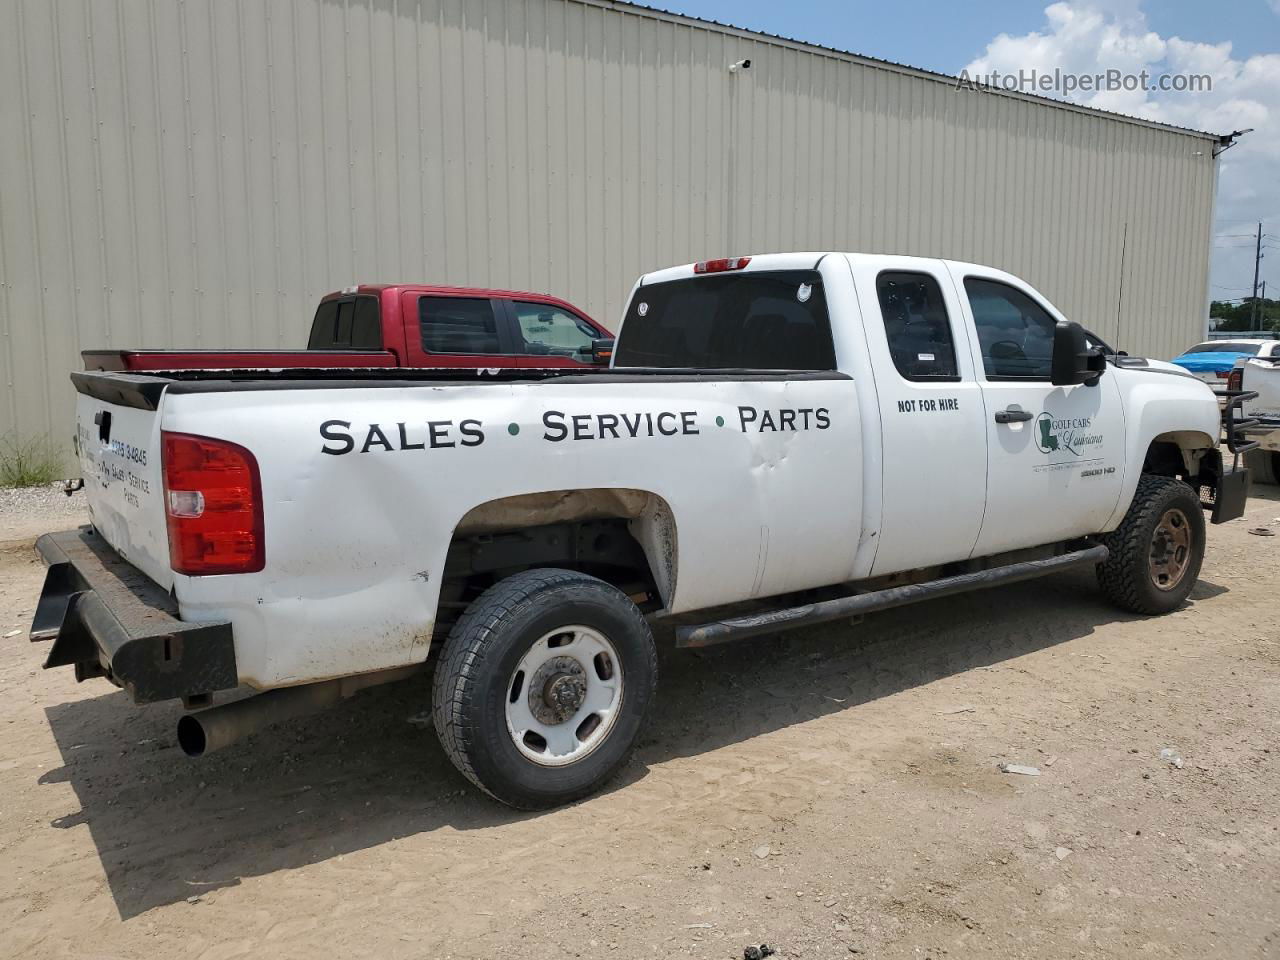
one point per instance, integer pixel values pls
(350, 324)
(1224, 346)
(772, 320)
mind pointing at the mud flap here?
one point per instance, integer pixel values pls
(1230, 495)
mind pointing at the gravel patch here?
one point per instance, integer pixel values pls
(27, 512)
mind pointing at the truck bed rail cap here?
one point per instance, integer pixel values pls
(122, 389)
(220, 382)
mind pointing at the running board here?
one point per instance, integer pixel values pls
(722, 631)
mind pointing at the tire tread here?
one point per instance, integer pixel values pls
(455, 686)
(1121, 576)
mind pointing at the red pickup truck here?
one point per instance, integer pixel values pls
(408, 325)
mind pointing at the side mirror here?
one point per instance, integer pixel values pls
(1073, 361)
(602, 351)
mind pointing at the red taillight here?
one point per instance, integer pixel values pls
(1235, 379)
(721, 265)
(213, 504)
(1223, 375)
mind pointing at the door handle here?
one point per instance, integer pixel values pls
(1013, 416)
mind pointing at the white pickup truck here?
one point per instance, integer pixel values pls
(1259, 375)
(781, 440)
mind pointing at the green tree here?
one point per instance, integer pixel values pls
(1238, 315)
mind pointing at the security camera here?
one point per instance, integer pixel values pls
(740, 65)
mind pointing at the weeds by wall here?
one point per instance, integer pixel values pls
(29, 461)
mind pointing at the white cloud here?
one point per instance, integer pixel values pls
(1092, 36)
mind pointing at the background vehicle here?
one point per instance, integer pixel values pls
(1261, 374)
(813, 435)
(405, 325)
(1212, 360)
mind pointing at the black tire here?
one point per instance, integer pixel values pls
(1126, 577)
(474, 675)
(1264, 465)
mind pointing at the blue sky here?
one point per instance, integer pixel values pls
(946, 36)
(1237, 42)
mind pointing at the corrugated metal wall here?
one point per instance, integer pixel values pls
(199, 172)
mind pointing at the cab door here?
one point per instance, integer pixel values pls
(931, 414)
(454, 330)
(1055, 455)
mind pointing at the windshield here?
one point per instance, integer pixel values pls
(768, 320)
(1093, 341)
(1225, 346)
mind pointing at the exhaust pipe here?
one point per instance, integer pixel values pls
(218, 727)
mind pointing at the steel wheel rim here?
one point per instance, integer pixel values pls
(1170, 550)
(544, 687)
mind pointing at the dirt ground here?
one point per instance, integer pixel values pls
(835, 793)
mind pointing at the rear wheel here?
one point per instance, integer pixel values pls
(1264, 465)
(543, 686)
(1157, 550)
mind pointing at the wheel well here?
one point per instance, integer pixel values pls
(625, 537)
(1177, 454)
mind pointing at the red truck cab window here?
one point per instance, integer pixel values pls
(548, 331)
(467, 325)
(350, 323)
(465, 330)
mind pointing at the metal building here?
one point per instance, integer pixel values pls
(199, 172)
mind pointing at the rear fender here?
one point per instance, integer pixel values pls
(649, 519)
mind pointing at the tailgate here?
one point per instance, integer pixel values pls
(118, 445)
(1263, 377)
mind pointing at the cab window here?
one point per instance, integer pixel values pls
(1015, 332)
(549, 331)
(353, 323)
(916, 325)
(458, 325)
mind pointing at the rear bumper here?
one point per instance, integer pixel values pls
(107, 619)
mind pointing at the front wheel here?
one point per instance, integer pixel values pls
(1157, 550)
(543, 686)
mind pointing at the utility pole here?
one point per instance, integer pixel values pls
(1257, 263)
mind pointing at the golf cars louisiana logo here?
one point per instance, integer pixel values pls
(1069, 434)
